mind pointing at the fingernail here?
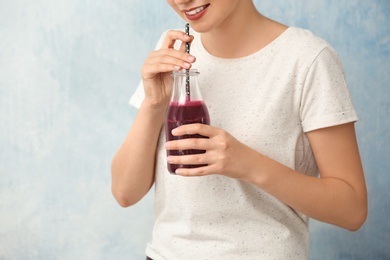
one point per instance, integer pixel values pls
(186, 65)
(191, 58)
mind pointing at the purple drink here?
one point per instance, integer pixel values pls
(178, 114)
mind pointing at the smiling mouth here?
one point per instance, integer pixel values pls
(197, 10)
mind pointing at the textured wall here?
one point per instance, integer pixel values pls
(67, 69)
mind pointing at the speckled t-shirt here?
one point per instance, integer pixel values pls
(267, 100)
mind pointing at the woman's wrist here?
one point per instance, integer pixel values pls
(263, 171)
(154, 107)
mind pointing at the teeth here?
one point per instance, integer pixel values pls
(195, 11)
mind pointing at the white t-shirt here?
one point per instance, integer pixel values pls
(267, 100)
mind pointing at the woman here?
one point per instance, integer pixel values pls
(281, 147)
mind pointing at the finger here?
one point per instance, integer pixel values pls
(150, 70)
(165, 63)
(173, 36)
(171, 57)
(208, 169)
(191, 129)
(193, 172)
(164, 53)
(183, 44)
(190, 159)
(188, 144)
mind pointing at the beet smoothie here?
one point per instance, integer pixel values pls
(178, 114)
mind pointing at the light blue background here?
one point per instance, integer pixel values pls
(67, 70)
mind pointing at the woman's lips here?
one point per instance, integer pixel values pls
(196, 13)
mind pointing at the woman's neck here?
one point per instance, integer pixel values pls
(242, 35)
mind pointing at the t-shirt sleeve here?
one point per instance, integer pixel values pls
(326, 100)
(138, 96)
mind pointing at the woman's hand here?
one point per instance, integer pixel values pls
(224, 154)
(158, 66)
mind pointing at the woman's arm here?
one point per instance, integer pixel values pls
(132, 169)
(339, 196)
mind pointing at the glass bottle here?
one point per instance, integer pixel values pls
(185, 107)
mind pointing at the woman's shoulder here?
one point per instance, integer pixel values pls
(304, 44)
(305, 38)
